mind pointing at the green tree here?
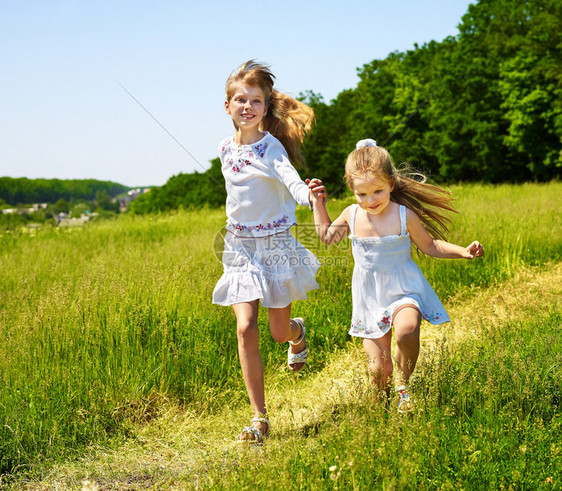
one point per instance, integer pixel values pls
(61, 206)
(531, 86)
(193, 190)
(325, 149)
(485, 105)
(409, 117)
(105, 202)
(79, 209)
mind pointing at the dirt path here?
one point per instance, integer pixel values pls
(167, 451)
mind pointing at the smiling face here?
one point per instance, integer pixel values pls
(372, 193)
(247, 108)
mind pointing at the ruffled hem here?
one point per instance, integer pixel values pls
(375, 325)
(276, 270)
(273, 292)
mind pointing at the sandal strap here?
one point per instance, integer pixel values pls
(300, 322)
(251, 430)
(260, 419)
(298, 357)
(264, 420)
(256, 433)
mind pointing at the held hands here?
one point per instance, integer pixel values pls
(474, 250)
(317, 194)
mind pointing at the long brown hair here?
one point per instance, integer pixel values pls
(410, 187)
(287, 118)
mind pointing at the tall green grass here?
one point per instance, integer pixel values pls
(519, 225)
(99, 325)
(487, 416)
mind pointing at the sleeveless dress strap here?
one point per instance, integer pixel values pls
(352, 214)
(403, 220)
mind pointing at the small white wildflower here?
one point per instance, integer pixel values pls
(88, 485)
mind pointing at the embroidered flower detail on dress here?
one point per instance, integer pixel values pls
(357, 327)
(260, 149)
(384, 323)
(261, 226)
(432, 317)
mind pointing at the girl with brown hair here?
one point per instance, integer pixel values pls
(263, 262)
(388, 288)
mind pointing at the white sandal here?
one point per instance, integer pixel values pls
(301, 357)
(256, 435)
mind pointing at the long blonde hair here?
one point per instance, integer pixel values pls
(410, 188)
(287, 119)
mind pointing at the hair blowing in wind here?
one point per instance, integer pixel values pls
(288, 119)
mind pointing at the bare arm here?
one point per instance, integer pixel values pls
(328, 232)
(436, 247)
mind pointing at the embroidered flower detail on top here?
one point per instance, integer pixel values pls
(260, 149)
(267, 226)
(238, 167)
(226, 146)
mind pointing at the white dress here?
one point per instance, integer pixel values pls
(385, 277)
(261, 258)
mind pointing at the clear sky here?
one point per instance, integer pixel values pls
(68, 69)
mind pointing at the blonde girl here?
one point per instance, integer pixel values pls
(263, 263)
(388, 288)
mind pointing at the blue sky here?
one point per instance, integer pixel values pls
(64, 112)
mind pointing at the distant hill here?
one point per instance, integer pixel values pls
(22, 190)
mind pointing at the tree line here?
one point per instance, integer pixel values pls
(484, 105)
(57, 199)
(24, 191)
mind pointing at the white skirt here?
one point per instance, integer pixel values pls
(276, 270)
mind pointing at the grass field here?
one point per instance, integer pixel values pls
(109, 340)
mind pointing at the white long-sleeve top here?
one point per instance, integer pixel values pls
(262, 187)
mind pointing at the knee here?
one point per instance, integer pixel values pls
(279, 337)
(280, 331)
(407, 335)
(247, 330)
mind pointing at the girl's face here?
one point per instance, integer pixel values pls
(372, 193)
(246, 107)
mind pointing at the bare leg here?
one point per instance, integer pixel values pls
(284, 329)
(250, 356)
(407, 334)
(380, 360)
